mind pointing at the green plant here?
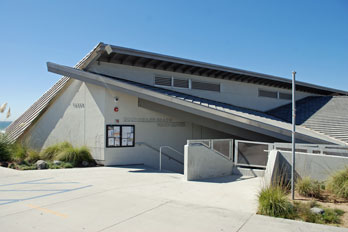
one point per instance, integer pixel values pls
(308, 187)
(67, 165)
(75, 155)
(26, 167)
(18, 152)
(331, 216)
(5, 154)
(52, 151)
(273, 202)
(32, 156)
(338, 183)
(303, 212)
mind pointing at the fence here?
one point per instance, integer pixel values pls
(223, 147)
(323, 149)
(251, 154)
(255, 154)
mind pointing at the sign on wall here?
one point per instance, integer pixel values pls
(120, 136)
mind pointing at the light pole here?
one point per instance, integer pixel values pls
(293, 135)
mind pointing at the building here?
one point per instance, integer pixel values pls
(124, 104)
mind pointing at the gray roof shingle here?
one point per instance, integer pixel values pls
(325, 114)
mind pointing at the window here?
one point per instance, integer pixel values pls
(285, 96)
(205, 86)
(181, 83)
(266, 93)
(163, 81)
(120, 136)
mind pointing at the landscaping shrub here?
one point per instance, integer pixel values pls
(52, 151)
(32, 156)
(273, 202)
(18, 152)
(338, 183)
(67, 165)
(75, 155)
(331, 216)
(303, 211)
(5, 154)
(308, 187)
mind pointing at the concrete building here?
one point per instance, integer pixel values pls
(124, 104)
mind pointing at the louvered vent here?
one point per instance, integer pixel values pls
(181, 83)
(163, 81)
(285, 96)
(205, 86)
(270, 94)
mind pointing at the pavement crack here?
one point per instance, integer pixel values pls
(137, 215)
(246, 221)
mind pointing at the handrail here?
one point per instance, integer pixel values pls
(160, 157)
(155, 149)
(210, 146)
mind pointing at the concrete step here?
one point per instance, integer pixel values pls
(248, 172)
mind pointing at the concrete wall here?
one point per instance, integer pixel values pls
(316, 166)
(232, 92)
(80, 115)
(76, 116)
(202, 163)
(153, 128)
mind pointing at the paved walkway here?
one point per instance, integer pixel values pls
(132, 199)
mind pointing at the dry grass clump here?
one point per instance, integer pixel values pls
(308, 187)
(338, 183)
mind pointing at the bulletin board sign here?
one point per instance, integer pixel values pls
(120, 135)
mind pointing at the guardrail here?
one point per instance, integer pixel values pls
(251, 154)
(160, 154)
(158, 150)
(255, 154)
(323, 149)
(223, 147)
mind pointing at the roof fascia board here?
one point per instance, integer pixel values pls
(150, 55)
(233, 118)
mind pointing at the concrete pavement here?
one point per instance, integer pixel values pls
(132, 199)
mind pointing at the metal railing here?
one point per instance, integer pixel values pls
(159, 151)
(223, 147)
(251, 154)
(160, 154)
(322, 149)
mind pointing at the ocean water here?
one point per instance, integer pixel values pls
(4, 124)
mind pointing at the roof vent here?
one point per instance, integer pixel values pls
(181, 83)
(205, 86)
(163, 81)
(266, 93)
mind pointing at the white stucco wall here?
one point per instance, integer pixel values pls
(232, 92)
(80, 115)
(76, 116)
(151, 127)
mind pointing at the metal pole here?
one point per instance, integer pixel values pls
(293, 135)
(160, 159)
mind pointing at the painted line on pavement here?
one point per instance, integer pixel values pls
(47, 211)
(25, 182)
(45, 195)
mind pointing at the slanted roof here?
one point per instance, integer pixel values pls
(244, 118)
(21, 124)
(132, 57)
(327, 115)
(126, 56)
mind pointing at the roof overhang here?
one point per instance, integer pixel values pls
(132, 57)
(257, 124)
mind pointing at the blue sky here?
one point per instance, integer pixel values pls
(272, 37)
